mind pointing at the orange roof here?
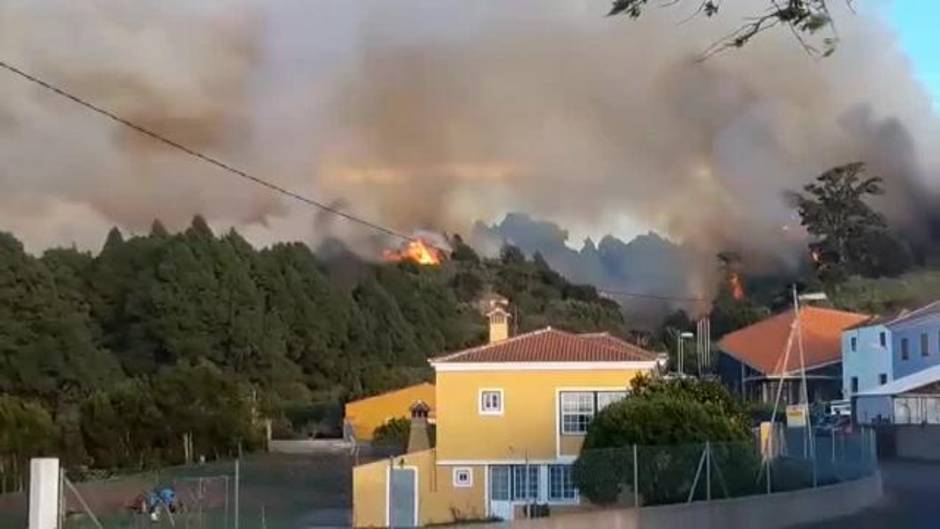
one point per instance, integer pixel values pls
(762, 345)
(552, 345)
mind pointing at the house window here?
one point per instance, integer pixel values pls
(463, 477)
(579, 407)
(577, 410)
(606, 398)
(854, 384)
(882, 339)
(905, 354)
(525, 482)
(882, 379)
(854, 342)
(924, 345)
(491, 402)
(560, 484)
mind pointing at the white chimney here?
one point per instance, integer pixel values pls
(499, 324)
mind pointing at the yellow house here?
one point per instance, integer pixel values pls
(365, 415)
(511, 418)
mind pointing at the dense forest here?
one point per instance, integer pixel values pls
(110, 360)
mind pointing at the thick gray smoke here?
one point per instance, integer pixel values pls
(436, 114)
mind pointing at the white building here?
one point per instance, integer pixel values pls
(866, 356)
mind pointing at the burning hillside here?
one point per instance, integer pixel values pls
(417, 250)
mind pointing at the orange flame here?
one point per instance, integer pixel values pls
(416, 250)
(736, 285)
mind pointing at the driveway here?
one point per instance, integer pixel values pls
(911, 500)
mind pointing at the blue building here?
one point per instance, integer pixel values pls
(915, 338)
(883, 349)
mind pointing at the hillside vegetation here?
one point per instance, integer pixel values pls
(108, 360)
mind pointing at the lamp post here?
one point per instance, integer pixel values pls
(680, 353)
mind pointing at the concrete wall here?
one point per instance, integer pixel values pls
(918, 442)
(869, 408)
(868, 360)
(308, 446)
(776, 511)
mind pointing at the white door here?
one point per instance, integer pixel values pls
(500, 492)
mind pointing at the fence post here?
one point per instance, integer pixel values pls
(636, 480)
(708, 471)
(237, 486)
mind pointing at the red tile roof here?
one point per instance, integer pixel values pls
(552, 345)
(762, 345)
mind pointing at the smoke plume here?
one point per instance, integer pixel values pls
(433, 115)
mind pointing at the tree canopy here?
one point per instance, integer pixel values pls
(850, 237)
(117, 356)
(804, 18)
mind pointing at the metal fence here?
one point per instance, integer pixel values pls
(278, 491)
(657, 475)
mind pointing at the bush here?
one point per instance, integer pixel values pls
(393, 434)
(670, 421)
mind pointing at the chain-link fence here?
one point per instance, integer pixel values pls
(656, 475)
(277, 491)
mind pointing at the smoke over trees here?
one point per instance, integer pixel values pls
(543, 107)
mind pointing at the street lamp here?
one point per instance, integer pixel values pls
(681, 339)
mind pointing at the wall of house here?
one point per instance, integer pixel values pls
(917, 360)
(869, 359)
(528, 428)
(367, 414)
(439, 501)
(868, 409)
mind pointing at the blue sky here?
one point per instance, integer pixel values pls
(918, 22)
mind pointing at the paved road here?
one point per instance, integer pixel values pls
(912, 500)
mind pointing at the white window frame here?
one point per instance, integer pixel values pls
(463, 484)
(561, 405)
(575, 498)
(502, 401)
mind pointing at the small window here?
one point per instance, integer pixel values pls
(882, 339)
(924, 345)
(854, 342)
(491, 402)
(882, 379)
(854, 384)
(577, 410)
(905, 353)
(463, 477)
(560, 483)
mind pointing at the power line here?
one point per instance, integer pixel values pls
(262, 182)
(200, 155)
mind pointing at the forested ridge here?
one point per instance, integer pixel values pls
(109, 360)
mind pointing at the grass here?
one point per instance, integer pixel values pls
(884, 295)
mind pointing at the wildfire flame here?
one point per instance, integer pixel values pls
(736, 285)
(815, 255)
(416, 250)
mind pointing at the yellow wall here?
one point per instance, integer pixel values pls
(367, 414)
(527, 428)
(438, 500)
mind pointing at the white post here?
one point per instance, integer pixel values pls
(237, 486)
(43, 493)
